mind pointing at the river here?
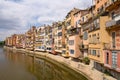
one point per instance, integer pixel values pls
(18, 66)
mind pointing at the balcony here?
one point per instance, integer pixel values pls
(93, 41)
(106, 45)
(112, 23)
(113, 4)
(110, 46)
(82, 46)
(86, 27)
(73, 31)
(94, 27)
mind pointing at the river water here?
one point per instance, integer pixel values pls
(18, 66)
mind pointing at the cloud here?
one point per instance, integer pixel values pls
(16, 16)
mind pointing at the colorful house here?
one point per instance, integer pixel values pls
(74, 35)
(112, 48)
(30, 38)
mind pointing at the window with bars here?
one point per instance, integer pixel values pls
(114, 59)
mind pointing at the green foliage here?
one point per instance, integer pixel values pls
(2, 43)
(107, 73)
(86, 60)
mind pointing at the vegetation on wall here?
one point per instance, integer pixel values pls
(86, 60)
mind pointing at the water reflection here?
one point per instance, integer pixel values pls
(40, 69)
(50, 71)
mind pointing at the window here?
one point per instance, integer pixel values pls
(60, 34)
(107, 58)
(59, 42)
(90, 39)
(112, 15)
(113, 40)
(63, 52)
(98, 10)
(60, 27)
(83, 19)
(101, 8)
(76, 15)
(114, 59)
(98, 53)
(89, 52)
(94, 52)
(71, 51)
(76, 24)
(98, 38)
(85, 35)
(94, 38)
(50, 36)
(113, 0)
(71, 42)
(78, 21)
(68, 23)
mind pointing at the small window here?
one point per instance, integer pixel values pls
(98, 54)
(71, 42)
(63, 52)
(112, 15)
(60, 27)
(94, 52)
(107, 58)
(60, 34)
(85, 35)
(89, 52)
(83, 19)
(71, 51)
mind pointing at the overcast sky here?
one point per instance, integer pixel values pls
(16, 16)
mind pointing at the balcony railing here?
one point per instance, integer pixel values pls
(107, 45)
(73, 31)
(86, 27)
(112, 23)
(94, 27)
(82, 46)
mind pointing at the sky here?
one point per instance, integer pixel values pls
(17, 16)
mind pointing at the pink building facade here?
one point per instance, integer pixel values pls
(112, 49)
(112, 54)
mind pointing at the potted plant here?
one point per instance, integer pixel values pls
(86, 60)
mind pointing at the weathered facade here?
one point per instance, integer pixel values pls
(30, 38)
(112, 48)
